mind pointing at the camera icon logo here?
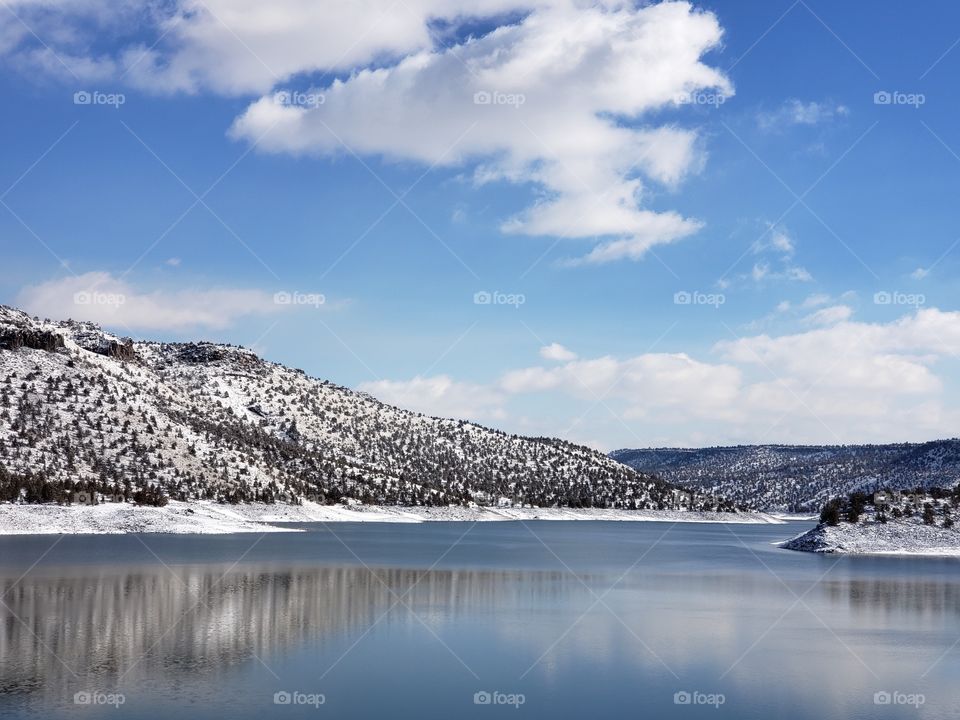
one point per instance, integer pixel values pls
(83, 498)
(882, 698)
(282, 698)
(682, 698)
(482, 97)
(82, 97)
(482, 698)
(82, 698)
(682, 298)
(482, 298)
(882, 97)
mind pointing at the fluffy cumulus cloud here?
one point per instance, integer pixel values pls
(440, 395)
(556, 100)
(557, 352)
(551, 94)
(868, 361)
(645, 384)
(115, 302)
(232, 47)
(841, 381)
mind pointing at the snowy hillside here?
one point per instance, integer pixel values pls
(886, 523)
(797, 478)
(87, 416)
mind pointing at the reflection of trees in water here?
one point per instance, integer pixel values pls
(919, 596)
(153, 624)
(99, 627)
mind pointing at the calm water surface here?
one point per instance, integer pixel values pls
(619, 620)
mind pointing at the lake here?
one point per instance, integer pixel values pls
(477, 620)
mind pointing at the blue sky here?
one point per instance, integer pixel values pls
(788, 168)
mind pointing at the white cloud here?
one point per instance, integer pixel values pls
(760, 271)
(230, 46)
(920, 273)
(103, 298)
(797, 274)
(554, 88)
(829, 315)
(776, 239)
(857, 358)
(842, 382)
(439, 395)
(815, 300)
(781, 241)
(778, 248)
(569, 85)
(646, 383)
(797, 112)
(557, 352)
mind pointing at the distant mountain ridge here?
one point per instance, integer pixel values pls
(799, 478)
(86, 414)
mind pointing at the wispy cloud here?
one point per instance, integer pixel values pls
(106, 299)
(796, 112)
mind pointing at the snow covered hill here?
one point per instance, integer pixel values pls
(86, 416)
(890, 523)
(796, 478)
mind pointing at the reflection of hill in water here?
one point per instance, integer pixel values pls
(70, 627)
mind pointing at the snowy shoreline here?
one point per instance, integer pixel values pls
(895, 538)
(204, 518)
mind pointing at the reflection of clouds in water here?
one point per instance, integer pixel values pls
(699, 624)
(735, 633)
(140, 621)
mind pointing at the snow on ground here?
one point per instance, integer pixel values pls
(117, 518)
(202, 517)
(896, 537)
